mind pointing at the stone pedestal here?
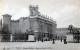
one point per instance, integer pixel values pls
(11, 38)
(70, 38)
(31, 38)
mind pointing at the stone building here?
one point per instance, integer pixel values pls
(38, 25)
(61, 33)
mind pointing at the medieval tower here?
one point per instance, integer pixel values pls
(6, 21)
(34, 10)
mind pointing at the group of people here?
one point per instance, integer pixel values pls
(64, 40)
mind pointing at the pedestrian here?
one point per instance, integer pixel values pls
(53, 42)
(61, 39)
(65, 42)
(42, 40)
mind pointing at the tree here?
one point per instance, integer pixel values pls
(5, 33)
(75, 31)
(5, 29)
(70, 28)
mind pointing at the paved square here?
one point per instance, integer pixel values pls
(39, 46)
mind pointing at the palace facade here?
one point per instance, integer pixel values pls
(40, 26)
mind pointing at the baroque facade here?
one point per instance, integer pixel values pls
(41, 26)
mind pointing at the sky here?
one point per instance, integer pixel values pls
(64, 12)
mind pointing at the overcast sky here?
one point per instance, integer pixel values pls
(64, 12)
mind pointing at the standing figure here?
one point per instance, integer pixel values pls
(65, 42)
(53, 42)
(61, 39)
(42, 40)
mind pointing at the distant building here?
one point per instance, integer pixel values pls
(41, 26)
(74, 36)
(61, 33)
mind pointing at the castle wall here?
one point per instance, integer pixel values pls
(24, 24)
(14, 27)
(20, 26)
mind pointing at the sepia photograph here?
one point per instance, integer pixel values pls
(39, 24)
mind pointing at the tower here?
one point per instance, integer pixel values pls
(1, 23)
(34, 10)
(6, 21)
